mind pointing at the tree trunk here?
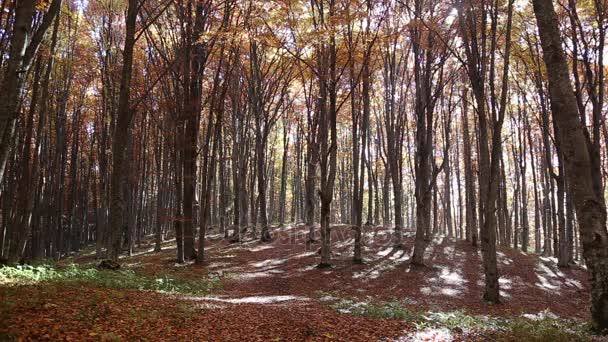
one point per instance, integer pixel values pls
(284, 162)
(469, 177)
(119, 144)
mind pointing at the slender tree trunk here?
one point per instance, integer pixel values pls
(178, 216)
(119, 144)
(284, 163)
(469, 177)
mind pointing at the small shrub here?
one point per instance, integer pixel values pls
(543, 330)
(390, 310)
(24, 274)
(461, 321)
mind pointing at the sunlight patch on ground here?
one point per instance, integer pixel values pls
(260, 248)
(186, 263)
(450, 292)
(307, 268)
(374, 234)
(505, 285)
(253, 275)
(228, 250)
(452, 278)
(220, 264)
(575, 283)
(328, 298)
(435, 291)
(255, 299)
(210, 306)
(214, 236)
(438, 239)
(346, 243)
(136, 254)
(428, 335)
(549, 279)
(268, 262)
(545, 284)
(352, 307)
(137, 264)
(385, 265)
(226, 256)
(552, 272)
(403, 256)
(549, 259)
(541, 315)
(302, 255)
(503, 259)
(430, 250)
(385, 252)
(239, 245)
(448, 283)
(449, 251)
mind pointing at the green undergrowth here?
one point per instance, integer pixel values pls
(543, 327)
(121, 279)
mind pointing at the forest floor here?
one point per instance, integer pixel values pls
(253, 291)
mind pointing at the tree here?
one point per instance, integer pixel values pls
(429, 81)
(121, 136)
(394, 79)
(490, 150)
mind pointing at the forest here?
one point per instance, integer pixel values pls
(291, 170)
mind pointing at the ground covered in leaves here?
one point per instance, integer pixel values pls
(272, 291)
